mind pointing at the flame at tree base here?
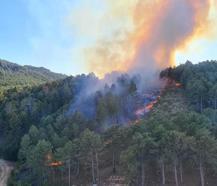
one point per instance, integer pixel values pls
(148, 106)
(55, 164)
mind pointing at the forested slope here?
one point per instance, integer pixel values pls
(58, 142)
(62, 109)
(13, 75)
(173, 145)
(199, 82)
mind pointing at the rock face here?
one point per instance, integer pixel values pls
(5, 170)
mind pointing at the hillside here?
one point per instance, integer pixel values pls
(199, 82)
(74, 133)
(58, 105)
(13, 75)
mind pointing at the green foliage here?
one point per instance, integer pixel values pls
(199, 82)
(170, 136)
(42, 105)
(16, 76)
(38, 123)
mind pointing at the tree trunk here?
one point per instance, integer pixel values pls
(215, 110)
(78, 169)
(117, 121)
(181, 172)
(163, 172)
(53, 175)
(69, 173)
(97, 168)
(175, 173)
(143, 172)
(215, 103)
(93, 173)
(61, 170)
(49, 176)
(113, 163)
(201, 104)
(201, 174)
(41, 177)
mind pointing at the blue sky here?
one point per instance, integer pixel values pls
(36, 32)
(44, 33)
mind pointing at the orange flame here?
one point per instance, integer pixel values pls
(55, 164)
(141, 111)
(147, 33)
(49, 158)
(178, 85)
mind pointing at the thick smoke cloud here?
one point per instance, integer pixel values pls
(173, 24)
(139, 37)
(147, 37)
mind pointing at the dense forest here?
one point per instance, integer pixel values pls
(60, 135)
(199, 83)
(57, 105)
(13, 75)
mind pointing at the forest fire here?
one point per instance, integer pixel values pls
(55, 164)
(51, 162)
(143, 41)
(150, 101)
(178, 85)
(150, 105)
(145, 109)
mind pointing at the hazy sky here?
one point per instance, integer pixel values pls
(45, 33)
(37, 32)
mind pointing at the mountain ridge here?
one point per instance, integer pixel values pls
(13, 75)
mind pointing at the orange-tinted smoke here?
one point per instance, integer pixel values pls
(148, 40)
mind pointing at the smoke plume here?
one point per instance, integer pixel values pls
(143, 35)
